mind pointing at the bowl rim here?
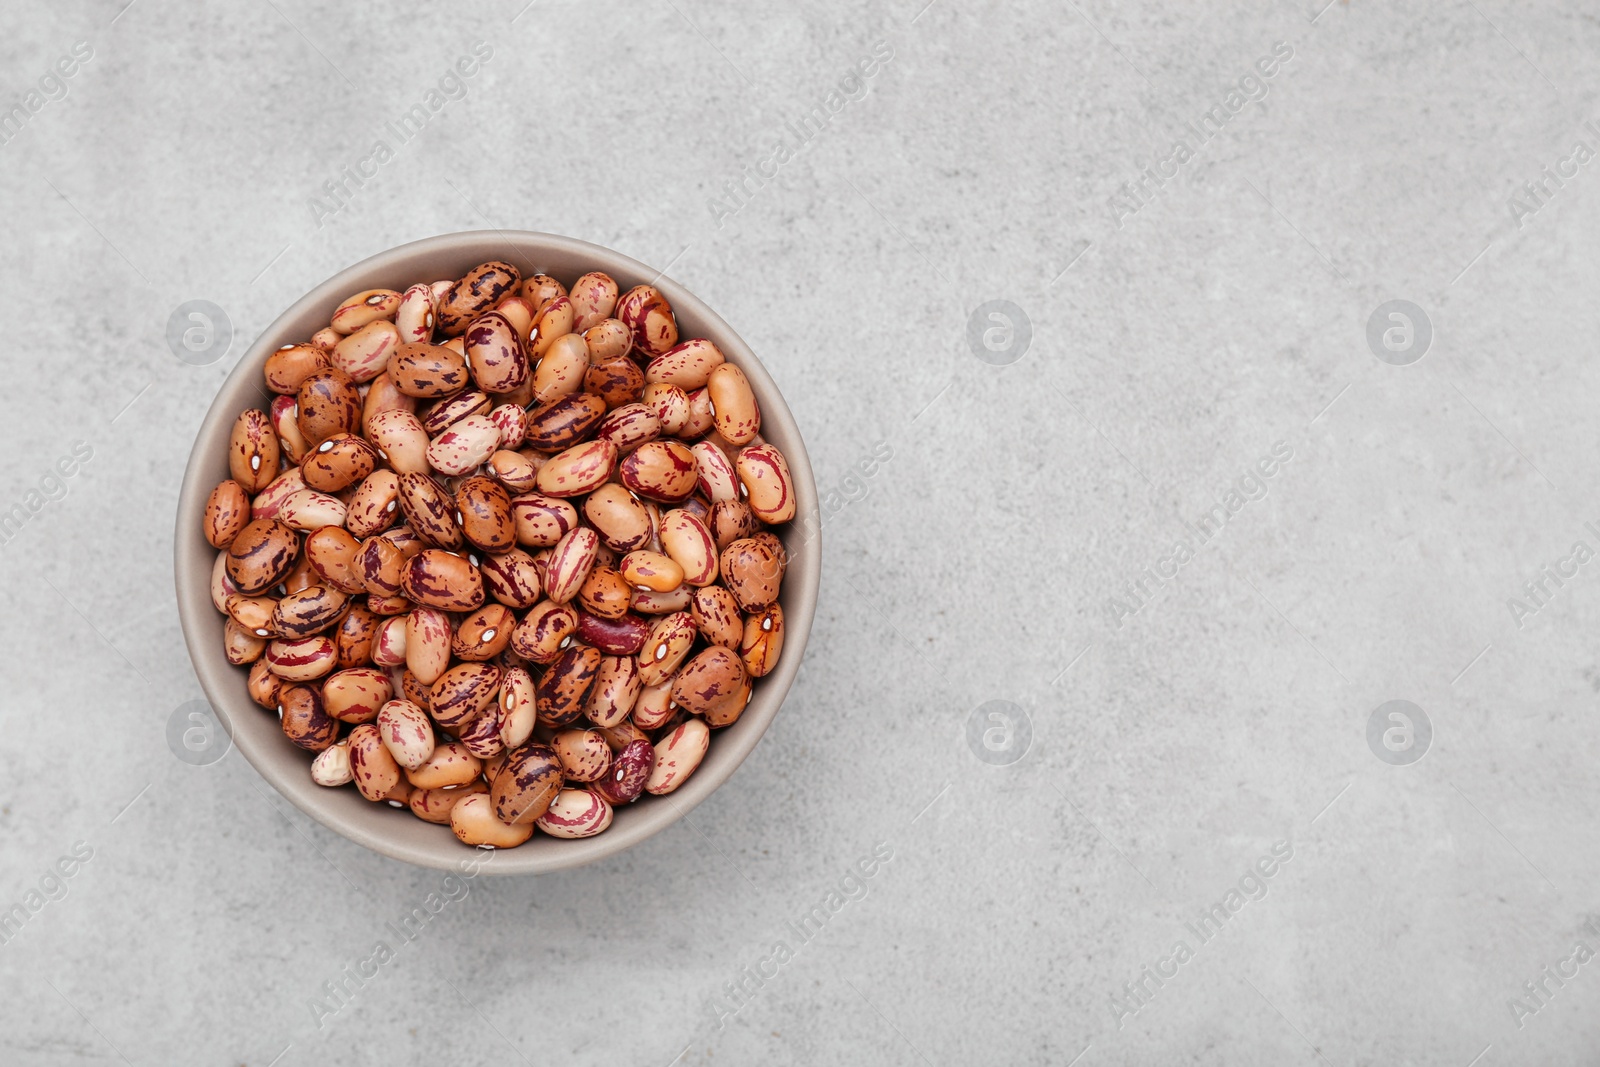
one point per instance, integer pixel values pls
(194, 558)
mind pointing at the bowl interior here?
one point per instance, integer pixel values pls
(255, 731)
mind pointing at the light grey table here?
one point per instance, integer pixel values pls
(1072, 757)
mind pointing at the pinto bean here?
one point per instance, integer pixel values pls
(768, 486)
(261, 554)
(356, 695)
(448, 767)
(253, 451)
(465, 445)
(561, 369)
(542, 521)
(363, 309)
(484, 512)
(580, 469)
(292, 364)
(616, 637)
(614, 691)
(436, 578)
(688, 366)
(560, 694)
(646, 312)
(365, 353)
(371, 764)
(479, 290)
(309, 611)
(570, 562)
(435, 805)
(227, 513)
(375, 504)
(607, 340)
(617, 381)
(752, 573)
(716, 616)
(518, 707)
(328, 403)
(630, 770)
(654, 571)
(526, 785)
(678, 756)
(406, 732)
(445, 413)
(423, 370)
(401, 441)
(495, 353)
(688, 541)
(303, 720)
(429, 510)
(511, 577)
(663, 471)
(413, 316)
(575, 813)
(483, 634)
(605, 593)
(427, 644)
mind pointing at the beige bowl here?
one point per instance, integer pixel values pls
(255, 731)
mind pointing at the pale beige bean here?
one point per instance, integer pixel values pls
(473, 821)
(365, 353)
(688, 541)
(372, 766)
(677, 757)
(253, 451)
(363, 309)
(575, 813)
(768, 486)
(332, 766)
(427, 644)
(406, 732)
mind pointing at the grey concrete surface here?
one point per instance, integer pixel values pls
(1151, 747)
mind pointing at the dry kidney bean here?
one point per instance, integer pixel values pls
(227, 512)
(447, 474)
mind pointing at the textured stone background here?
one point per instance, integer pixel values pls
(1171, 348)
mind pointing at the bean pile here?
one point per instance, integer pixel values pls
(499, 552)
